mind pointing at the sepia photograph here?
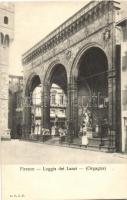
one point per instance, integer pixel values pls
(63, 89)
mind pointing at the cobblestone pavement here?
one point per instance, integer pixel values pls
(24, 152)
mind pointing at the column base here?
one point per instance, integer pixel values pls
(6, 135)
(112, 141)
(111, 149)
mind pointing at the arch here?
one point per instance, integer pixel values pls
(49, 70)
(89, 87)
(30, 106)
(81, 52)
(6, 40)
(55, 77)
(54, 66)
(1, 38)
(29, 82)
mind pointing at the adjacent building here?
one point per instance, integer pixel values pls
(58, 103)
(6, 37)
(57, 108)
(15, 109)
(122, 45)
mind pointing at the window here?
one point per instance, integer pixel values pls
(52, 111)
(53, 99)
(6, 41)
(1, 38)
(61, 99)
(62, 111)
(5, 20)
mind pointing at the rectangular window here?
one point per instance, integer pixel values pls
(53, 99)
(61, 100)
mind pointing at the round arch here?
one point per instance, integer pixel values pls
(54, 92)
(49, 71)
(89, 78)
(1, 38)
(29, 84)
(56, 73)
(32, 106)
(6, 41)
(81, 52)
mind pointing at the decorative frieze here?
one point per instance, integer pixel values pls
(37, 62)
(81, 19)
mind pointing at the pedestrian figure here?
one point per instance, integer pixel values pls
(33, 128)
(84, 137)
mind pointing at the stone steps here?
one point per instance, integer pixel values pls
(94, 144)
(53, 140)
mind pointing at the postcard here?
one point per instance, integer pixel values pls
(63, 100)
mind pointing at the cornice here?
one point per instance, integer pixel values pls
(82, 18)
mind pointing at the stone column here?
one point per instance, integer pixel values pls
(112, 83)
(46, 106)
(112, 109)
(72, 111)
(26, 125)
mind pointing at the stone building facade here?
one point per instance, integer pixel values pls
(82, 56)
(122, 24)
(57, 108)
(6, 37)
(15, 108)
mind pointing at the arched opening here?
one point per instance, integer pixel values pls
(6, 41)
(32, 122)
(1, 39)
(36, 110)
(5, 20)
(58, 99)
(92, 86)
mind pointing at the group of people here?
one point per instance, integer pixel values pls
(60, 131)
(36, 128)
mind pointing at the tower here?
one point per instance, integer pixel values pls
(6, 37)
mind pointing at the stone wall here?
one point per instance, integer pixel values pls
(6, 37)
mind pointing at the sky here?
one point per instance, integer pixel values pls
(35, 20)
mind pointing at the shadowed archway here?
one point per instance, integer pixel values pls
(89, 83)
(32, 103)
(54, 96)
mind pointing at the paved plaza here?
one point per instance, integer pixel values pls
(24, 152)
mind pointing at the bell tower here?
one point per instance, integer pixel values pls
(6, 37)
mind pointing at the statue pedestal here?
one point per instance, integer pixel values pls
(84, 140)
(89, 133)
